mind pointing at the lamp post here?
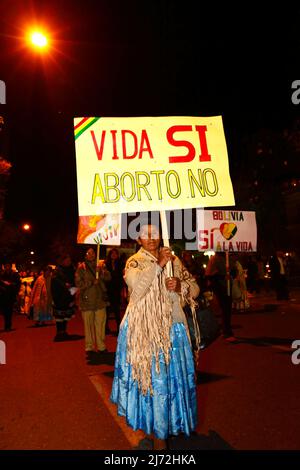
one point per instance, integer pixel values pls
(27, 241)
(39, 45)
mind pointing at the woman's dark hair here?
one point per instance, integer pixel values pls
(108, 260)
(61, 258)
(110, 253)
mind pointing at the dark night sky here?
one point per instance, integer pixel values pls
(134, 58)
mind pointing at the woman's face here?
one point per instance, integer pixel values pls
(114, 254)
(149, 237)
(66, 261)
(90, 254)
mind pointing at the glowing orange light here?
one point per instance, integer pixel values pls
(38, 39)
(26, 227)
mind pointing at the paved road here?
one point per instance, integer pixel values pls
(248, 393)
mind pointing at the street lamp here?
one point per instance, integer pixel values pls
(38, 40)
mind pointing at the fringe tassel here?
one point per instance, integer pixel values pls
(188, 299)
(149, 324)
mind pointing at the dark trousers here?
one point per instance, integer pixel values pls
(281, 287)
(61, 327)
(225, 302)
(115, 308)
(7, 311)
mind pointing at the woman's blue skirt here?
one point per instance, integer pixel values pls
(43, 316)
(172, 409)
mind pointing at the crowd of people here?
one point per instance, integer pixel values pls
(53, 294)
(154, 376)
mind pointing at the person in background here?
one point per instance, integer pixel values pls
(154, 377)
(278, 275)
(63, 294)
(33, 275)
(216, 275)
(27, 295)
(114, 285)
(260, 273)
(41, 298)
(24, 297)
(252, 275)
(189, 262)
(194, 267)
(9, 287)
(92, 301)
(240, 298)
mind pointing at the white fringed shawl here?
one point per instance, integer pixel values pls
(149, 324)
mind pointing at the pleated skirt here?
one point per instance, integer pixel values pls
(172, 409)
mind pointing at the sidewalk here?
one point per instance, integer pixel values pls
(267, 300)
(46, 398)
(248, 393)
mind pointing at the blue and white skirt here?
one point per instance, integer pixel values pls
(172, 409)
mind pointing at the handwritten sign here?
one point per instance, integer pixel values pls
(151, 163)
(229, 230)
(102, 229)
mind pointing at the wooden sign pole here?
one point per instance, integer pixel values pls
(166, 241)
(97, 260)
(227, 273)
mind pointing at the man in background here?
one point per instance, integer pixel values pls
(278, 274)
(9, 287)
(92, 301)
(217, 277)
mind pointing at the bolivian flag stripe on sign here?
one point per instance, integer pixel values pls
(83, 125)
(151, 163)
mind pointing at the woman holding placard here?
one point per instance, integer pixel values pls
(154, 382)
